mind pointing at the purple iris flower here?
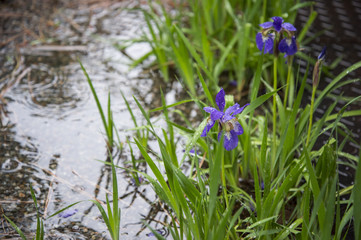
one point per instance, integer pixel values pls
(272, 31)
(67, 213)
(278, 25)
(227, 121)
(288, 46)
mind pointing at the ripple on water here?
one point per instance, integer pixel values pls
(10, 165)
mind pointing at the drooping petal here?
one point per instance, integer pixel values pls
(220, 101)
(266, 41)
(239, 110)
(292, 49)
(289, 27)
(215, 115)
(230, 140)
(266, 25)
(277, 23)
(283, 46)
(259, 41)
(237, 128)
(268, 48)
(208, 127)
(219, 136)
(288, 46)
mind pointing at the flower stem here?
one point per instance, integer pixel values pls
(311, 115)
(274, 108)
(287, 85)
(223, 180)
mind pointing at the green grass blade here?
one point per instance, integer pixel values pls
(104, 216)
(215, 171)
(356, 199)
(314, 186)
(17, 229)
(100, 109)
(195, 54)
(205, 87)
(257, 78)
(144, 113)
(172, 105)
(116, 210)
(308, 24)
(258, 102)
(193, 140)
(332, 84)
(159, 176)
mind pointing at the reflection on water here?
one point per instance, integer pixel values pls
(51, 134)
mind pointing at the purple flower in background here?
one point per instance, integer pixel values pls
(322, 55)
(227, 121)
(288, 46)
(272, 34)
(278, 25)
(193, 151)
(134, 182)
(67, 213)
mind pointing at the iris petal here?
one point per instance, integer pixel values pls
(266, 25)
(266, 41)
(230, 140)
(268, 48)
(277, 23)
(231, 109)
(208, 127)
(293, 47)
(289, 27)
(215, 115)
(239, 110)
(283, 46)
(259, 41)
(220, 101)
(227, 118)
(209, 109)
(237, 128)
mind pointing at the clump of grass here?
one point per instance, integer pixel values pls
(294, 192)
(215, 36)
